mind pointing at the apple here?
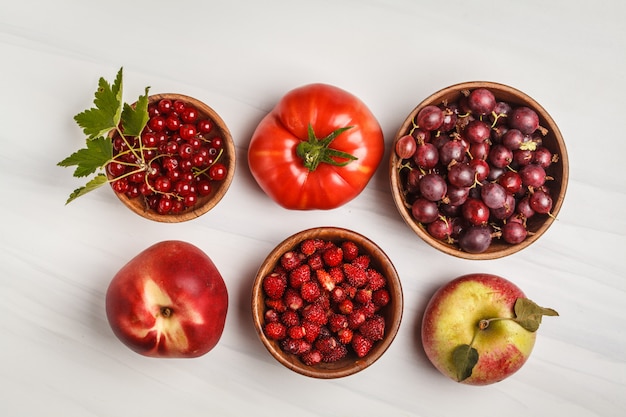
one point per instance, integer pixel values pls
(479, 329)
(168, 301)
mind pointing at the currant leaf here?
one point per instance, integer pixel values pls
(528, 314)
(464, 358)
(94, 183)
(135, 119)
(88, 160)
(98, 121)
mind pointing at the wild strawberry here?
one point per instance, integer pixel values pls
(356, 319)
(295, 346)
(299, 275)
(315, 261)
(308, 247)
(274, 286)
(362, 261)
(345, 336)
(349, 289)
(339, 352)
(337, 295)
(350, 250)
(310, 291)
(346, 306)
(290, 318)
(374, 328)
(376, 280)
(361, 345)
(312, 357)
(290, 260)
(381, 297)
(337, 274)
(278, 305)
(325, 280)
(314, 313)
(292, 299)
(355, 275)
(332, 256)
(275, 330)
(337, 322)
(326, 344)
(271, 316)
(324, 300)
(296, 332)
(363, 296)
(311, 331)
(368, 309)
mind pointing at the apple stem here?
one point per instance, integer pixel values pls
(166, 312)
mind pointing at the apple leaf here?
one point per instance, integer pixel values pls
(528, 314)
(98, 121)
(464, 358)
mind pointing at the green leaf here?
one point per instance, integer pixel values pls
(135, 119)
(94, 183)
(87, 160)
(528, 314)
(98, 121)
(464, 358)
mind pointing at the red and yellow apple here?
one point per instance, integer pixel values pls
(168, 301)
(479, 329)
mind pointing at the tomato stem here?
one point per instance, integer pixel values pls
(315, 151)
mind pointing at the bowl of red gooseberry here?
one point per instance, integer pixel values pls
(181, 165)
(479, 170)
(327, 302)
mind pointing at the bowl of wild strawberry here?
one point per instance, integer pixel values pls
(479, 170)
(180, 166)
(327, 302)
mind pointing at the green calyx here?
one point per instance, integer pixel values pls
(315, 151)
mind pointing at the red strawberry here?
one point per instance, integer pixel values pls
(308, 247)
(275, 331)
(355, 275)
(374, 328)
(381, 298)
(350, 250)
(274, 285)
(315, 313)
(333, 256)
(325, 279)
(295, 346)
(310, 291)
(290, 260)
(312, 357)
(361, 345)
(299, 275)
(292, 299)
(337, 274)
(346, 306)
(356, 319)
(271, 316)
(337, 295)
(376, 280)
(368, 309)
(326, 344)
(363, 296)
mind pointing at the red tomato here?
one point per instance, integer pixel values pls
(317, 149)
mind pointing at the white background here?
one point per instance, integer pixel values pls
(58, 356)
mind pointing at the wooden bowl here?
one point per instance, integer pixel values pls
(204, 203)
(559, 171)
(392, 312)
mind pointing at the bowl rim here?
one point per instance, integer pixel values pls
(212, 199)
(396, 306)
(545, 119)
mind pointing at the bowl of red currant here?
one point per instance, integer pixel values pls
(179, 167)
(327, 302)
(479, 170)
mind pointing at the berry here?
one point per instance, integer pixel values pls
(314, 313)
(333, 256)
(361, 345)
(310, 291)
(299, 275)
(290, 260)
(325, 279)
(274, 285)
(350, 250)
(355, 275)
(275, 330)
(373, 328)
